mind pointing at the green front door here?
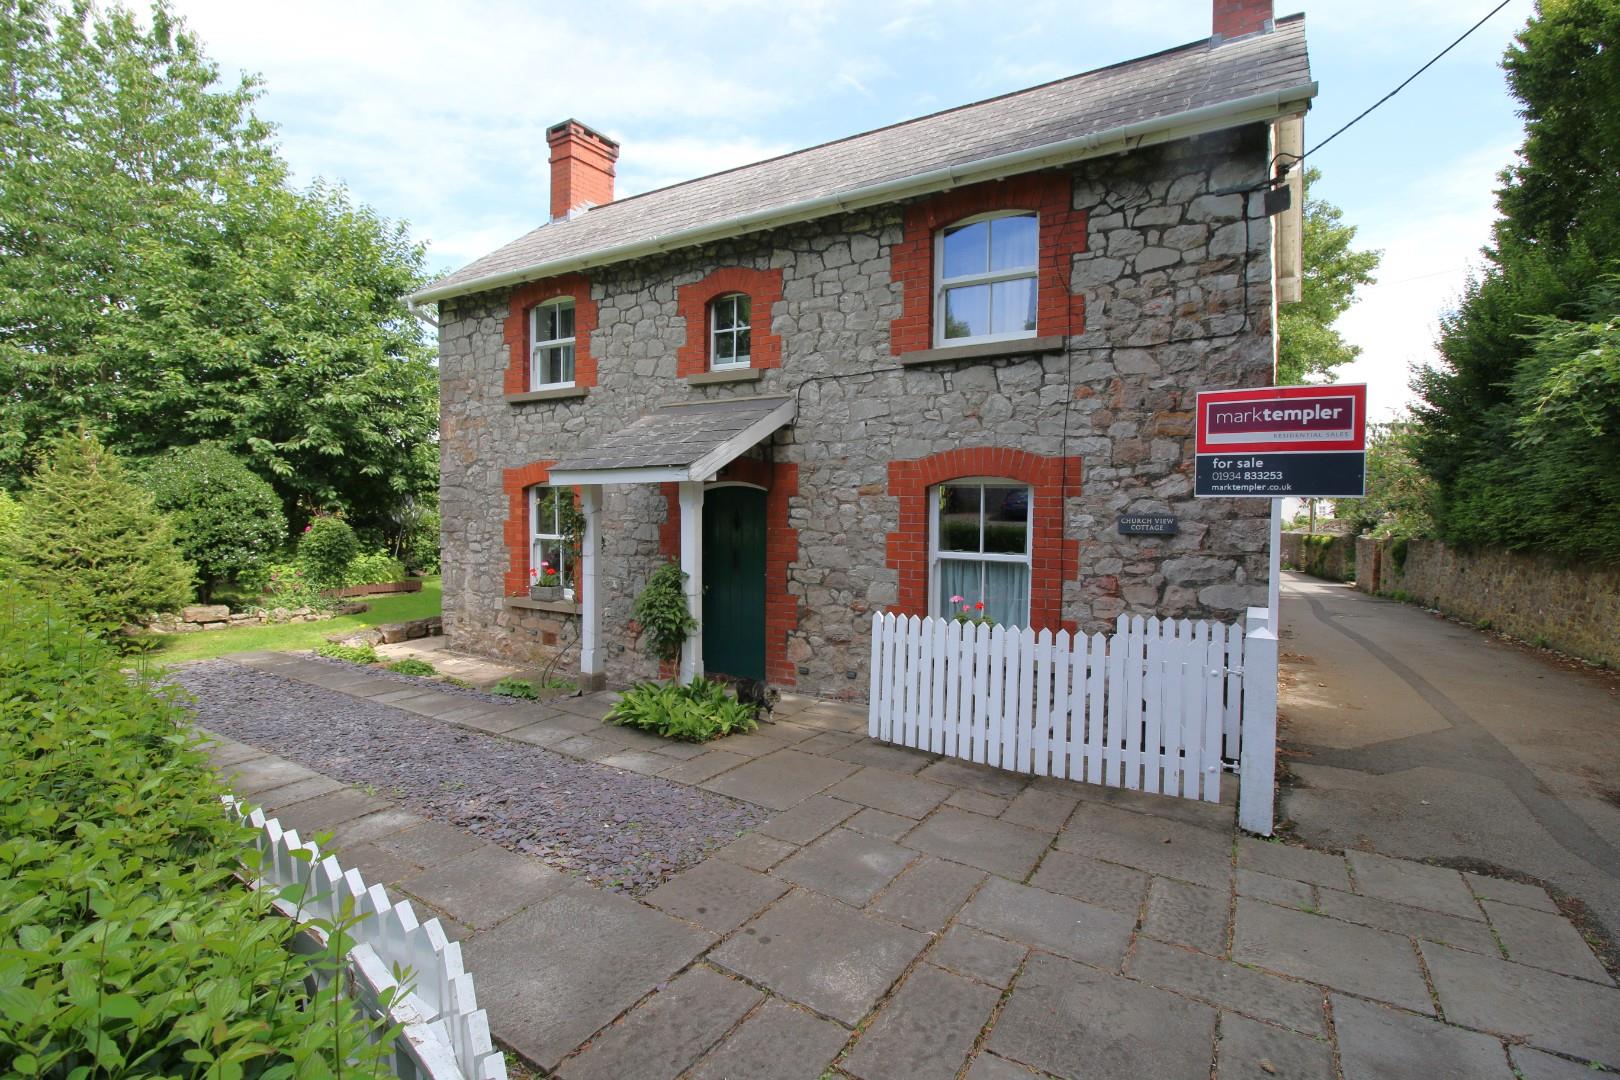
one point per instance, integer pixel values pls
(734, 582)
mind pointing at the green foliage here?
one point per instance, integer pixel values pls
(699, 712)
(286, 586)
(1317, 551)
(373, 568)
(1307, 344)
(228, 521)
(349, 654)
(163, 282)
(1397, 552)
(412, 666)
(515, 688)
(964, 536)
(92, 540)
(1400, 495)
(1520, 452)
(662, 612)
(130, 947)
(327, 548)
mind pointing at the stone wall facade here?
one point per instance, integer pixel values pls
(1572, 608)
(1170, 293)
(1324, 555)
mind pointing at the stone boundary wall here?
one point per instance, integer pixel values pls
(189, 620)
(1324, 555)
(1571, 608)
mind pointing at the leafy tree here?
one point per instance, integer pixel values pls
(1484, 416)
(229, 520)
(92, 540)
(1307, 344)
(162, 283)
(326, 550)
(1399, 493)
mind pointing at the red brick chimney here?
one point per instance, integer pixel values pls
(581, 167)
(1237, 18)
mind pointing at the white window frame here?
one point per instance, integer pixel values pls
(715, 363)
(537, 344)
(565, 573)
(935, 555)
(942, 283)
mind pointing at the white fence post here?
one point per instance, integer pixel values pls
(1257, 767)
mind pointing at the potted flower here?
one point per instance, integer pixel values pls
(544, 584)
(972, 614)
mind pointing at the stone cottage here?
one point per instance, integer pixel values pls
(920, 369)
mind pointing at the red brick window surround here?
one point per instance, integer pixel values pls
(1054, 558)
(1062, 235)
(517, 328)
(781, 483)
(762, 287)
(517, 531)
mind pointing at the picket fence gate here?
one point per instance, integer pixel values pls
(1158, 706)
(444, 1034)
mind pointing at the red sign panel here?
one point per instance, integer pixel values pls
(1282, 419)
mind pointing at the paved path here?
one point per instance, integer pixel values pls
(907, 916)
(1415, 736)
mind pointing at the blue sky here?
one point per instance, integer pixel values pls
(436, 113)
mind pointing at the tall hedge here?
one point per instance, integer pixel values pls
(227, 519)
(127, 946)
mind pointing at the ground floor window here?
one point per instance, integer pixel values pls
(549, 559)
(979, 540)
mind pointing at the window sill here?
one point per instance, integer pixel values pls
(560, 393)
(558, 607)
(725, 375)
(987, 351)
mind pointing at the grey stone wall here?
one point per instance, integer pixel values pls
(1177, 288)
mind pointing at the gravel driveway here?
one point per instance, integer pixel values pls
(620, 830)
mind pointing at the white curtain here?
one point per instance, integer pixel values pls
(1003, 587)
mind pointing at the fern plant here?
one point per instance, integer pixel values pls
(662, 612)
(695, 713)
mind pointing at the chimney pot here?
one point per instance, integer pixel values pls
(581, 167)
(1238, 18)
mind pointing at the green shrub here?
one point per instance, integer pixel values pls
(515, 688)
(695, 713)
(412, 666)
(373, 568)
(288, 587)
(227, 519)
(129, 947)
(353, 654)
(327, 548)
(92, 540)
(662, 612)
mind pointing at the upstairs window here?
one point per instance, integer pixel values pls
(729, 344)
(980, 558)
(985, 271)
(551, 344)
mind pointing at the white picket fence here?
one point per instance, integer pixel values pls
(1157, 706)
(445, 1035)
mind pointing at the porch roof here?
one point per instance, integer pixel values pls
(675, 443)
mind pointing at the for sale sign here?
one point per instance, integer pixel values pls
(1282, 441)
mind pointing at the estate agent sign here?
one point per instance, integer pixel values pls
(1282, 441)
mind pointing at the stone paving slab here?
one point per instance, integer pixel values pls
(813, 817)
(1413, 884)
(554, 974)
(1008, 850)
(899, 759)
(780, 780)
(1189, 915)
(486, 885)
(1091, 880)
(821, 953)
(1293, 863)
(1167, 848)
(275, 799)
(1511, 892)
(716, 894)
(1553, 1012)
(982, 778)
(1251, 1049)
(698, 769)
(432, 843)
(587, 748)
(978, 802)
(539, 733)
(880, 823)
(1380, 1043)
(846, 865)
(926, 1030)
(756, 851)
(1539, 1065)
(927, 895)
(1058, 924)
(376, 866)
(1413, 922)
(638, 761)
(250, 778)
(1275, 890)
(1041, 808)
(1228, 985)
(666, 1034)
(778, 1042)
(325, 812)
(1543, 940)
(1342, 955)
(990, 1067)
(896, 793)
(985, 957)
(1072, 1020)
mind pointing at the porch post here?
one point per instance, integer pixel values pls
(692, 566)
(591, 675)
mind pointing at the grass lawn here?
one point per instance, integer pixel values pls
(291, 637)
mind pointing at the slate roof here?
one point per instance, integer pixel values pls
(1163, 85)
(672, 436)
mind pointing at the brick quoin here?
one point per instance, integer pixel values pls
(1062, 235)
(781, 484)
(523, 299)
(516, 483)
(1235, 18)
(1054, 558)
(763, 287)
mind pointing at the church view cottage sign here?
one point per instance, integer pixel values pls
(1298, 441)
